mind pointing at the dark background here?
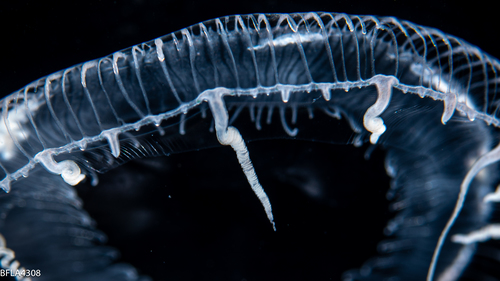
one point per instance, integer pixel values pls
(41, 37)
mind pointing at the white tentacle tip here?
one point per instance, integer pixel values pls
(71, 172)
(376, 126)
(492, 197)
(484, 234)
(68, 169)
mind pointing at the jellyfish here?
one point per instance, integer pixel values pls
(421, 100)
